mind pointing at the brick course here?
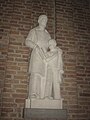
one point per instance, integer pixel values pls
(72, 27)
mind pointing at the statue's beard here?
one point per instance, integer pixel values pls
(42, 25)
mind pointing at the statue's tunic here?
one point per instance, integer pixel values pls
(37, 39)
(40, 38)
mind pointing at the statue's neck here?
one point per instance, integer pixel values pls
(41, 28)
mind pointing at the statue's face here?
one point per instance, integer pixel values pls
(43, 22)
(52, 44)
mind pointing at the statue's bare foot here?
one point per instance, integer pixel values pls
(34, 96)
(50, 98)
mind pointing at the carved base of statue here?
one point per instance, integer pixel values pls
(44, 103)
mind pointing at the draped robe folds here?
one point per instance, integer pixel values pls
(34, 39)
(36, 63)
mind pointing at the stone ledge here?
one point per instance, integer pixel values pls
(43, 103)
(45, 113)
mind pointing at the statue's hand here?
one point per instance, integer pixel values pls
(61, 71)
(61, 76)
(37, 47)
(38, 44)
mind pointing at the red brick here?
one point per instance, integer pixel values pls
(7, 109)
(8, 100)
(19, 101)
(18, 95)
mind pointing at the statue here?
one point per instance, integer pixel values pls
(46, 65)
(38, 38)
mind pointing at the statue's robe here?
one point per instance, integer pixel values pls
(36, 64)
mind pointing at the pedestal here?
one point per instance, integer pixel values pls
(44, 108)
(44, 103)
(30, 113)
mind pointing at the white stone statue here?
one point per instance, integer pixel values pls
(38, 38)
(45, 69)
(54, 70)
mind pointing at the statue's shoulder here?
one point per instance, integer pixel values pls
(32, 30)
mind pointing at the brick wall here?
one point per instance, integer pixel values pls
(72, 35)
(82, 36)
(5, 16)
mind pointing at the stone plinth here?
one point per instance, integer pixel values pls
(43, 103)
(30, 113)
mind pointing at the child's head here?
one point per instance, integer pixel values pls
(52, 43)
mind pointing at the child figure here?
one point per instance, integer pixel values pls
(54, 63)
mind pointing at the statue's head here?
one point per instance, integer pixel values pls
(42, 20)
(52, 43)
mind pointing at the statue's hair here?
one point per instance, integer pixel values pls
(41, 17)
